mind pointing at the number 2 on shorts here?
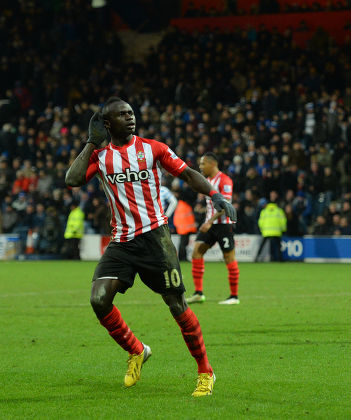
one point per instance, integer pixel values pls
(225, 243)
(174, 278)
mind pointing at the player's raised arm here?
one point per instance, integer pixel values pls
(200, 184)
(76, 174)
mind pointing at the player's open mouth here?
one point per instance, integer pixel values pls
(132, 125)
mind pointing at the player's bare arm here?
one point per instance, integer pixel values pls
(207, 225)
(76, 174)
(196, 181)
(200, 184)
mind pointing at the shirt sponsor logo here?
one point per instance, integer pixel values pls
(128, 176)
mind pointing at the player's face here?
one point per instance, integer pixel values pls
(206, 166)
(120, 120)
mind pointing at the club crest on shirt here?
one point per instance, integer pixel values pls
(141, 156)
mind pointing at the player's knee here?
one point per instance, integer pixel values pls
(199, 250)
(229, 257)
(197, 254)
(98, 301)
(177, 304)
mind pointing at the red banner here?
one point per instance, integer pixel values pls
(245, 6)
(303, 24)
(207, 5)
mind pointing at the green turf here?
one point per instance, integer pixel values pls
(283, 353)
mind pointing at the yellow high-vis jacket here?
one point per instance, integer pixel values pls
(75, 224)
(272, 220)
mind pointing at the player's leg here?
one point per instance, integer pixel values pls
(197, 271)
(233, 278)
(159, 269)
(225, 237)
(112, 275)
(103, 292)
(192, 334)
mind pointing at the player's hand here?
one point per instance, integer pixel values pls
(205, 227)
(220, 203)
(97, 130)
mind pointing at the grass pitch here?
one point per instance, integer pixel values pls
(283, 353)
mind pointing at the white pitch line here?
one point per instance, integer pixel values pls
(47, 292)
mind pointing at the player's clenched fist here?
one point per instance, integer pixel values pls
(220, 203)
(97, 129)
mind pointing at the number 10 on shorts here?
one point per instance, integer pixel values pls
(172, 278)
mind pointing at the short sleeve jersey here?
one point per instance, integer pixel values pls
(131, 178)
(224, 185)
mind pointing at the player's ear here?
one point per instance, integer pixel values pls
(107, 124)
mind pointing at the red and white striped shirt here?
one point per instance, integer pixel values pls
(131, 178)
(224, 185)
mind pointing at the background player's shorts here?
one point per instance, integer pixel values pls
(152, 255)
(221, 233)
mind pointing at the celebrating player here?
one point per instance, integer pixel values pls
(129, 171)
(218, 227)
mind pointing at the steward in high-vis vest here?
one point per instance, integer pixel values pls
(184, 221)
(272, 224)
(272, 221)
(74, 232)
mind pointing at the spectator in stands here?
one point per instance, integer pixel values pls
(335, 226)
(330, 184)
(98, 216)
(50, 233)
(292, 225)
(23, 225)
(331, 211)
(346, 211)
(44, 182)
(344, 227)
(320, 227)
(4, 178)
(9, 219)
(20, 204)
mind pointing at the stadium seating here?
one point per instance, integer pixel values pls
(277, 115)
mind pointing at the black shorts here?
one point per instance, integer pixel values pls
(221, 233)
(152, 255)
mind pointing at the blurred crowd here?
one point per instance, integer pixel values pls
(278, 117)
